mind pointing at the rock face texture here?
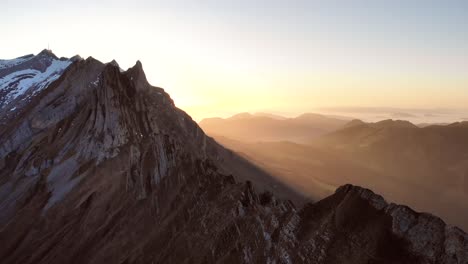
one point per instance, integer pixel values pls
(100, 167)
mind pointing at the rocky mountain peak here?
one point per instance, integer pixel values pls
(100, 166)
(137, 75)
(76, 58)
(354, 123)
(47, 53)
(390, 123)
(114, 63)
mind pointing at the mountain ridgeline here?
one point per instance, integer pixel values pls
(98, 166)
(430, 161)
(424, 167)
(263, 127)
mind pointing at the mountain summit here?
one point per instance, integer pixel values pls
(98, 166)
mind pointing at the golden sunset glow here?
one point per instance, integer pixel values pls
(233, 131)
(221, 59)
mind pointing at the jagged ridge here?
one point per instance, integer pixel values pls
(102, 167)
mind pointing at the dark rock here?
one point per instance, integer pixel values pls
(101, 167)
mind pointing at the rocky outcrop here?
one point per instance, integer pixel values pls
(101, 167)
(365, 229)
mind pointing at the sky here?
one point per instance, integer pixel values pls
(217, 58)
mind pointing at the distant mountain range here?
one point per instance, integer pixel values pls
(267, 127)
(437, 153)
(414, 115)
(99, 166)
(432, 159)
(399, 159)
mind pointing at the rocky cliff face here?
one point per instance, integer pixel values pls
(98, 166)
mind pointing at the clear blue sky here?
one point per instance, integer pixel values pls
(219, 57)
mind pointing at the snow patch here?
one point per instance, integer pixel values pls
(19, 82)
(10, 63)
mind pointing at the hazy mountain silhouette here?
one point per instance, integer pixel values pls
(98, 166)
(432, 160)
(265, 127)
(424, 167)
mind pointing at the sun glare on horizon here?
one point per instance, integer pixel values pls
(217, 58)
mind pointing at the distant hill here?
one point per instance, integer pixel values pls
(432, 124)
(99, 166)
(270, 115)
(401, 146)
(432, 158)
(426, 168)
(437, 152)
(266, 127)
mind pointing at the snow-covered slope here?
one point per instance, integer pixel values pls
(13, 62)
(24, 77)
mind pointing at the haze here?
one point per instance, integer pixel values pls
(217, 58)
(233, 131)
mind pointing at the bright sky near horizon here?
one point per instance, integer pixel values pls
(217, 58)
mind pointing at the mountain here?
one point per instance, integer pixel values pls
(316, 171)
(264, 127)
(432, 159)
(270, 115)
(26, 76)
(432, 124)
(433, 150)
(98, 166)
